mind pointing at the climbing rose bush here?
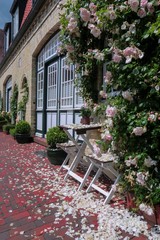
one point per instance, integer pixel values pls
(124, 37)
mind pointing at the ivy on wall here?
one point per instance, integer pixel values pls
(14, 103)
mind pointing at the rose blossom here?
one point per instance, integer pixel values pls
(72, 25)
(85, 14)
(124, 25)
(150, 7)
(127, 95)
(92, 7)
(108, 77)
(98, 55)
(131, 161)
(141, 13)
(148, 162)
(132, 28)
(157, 88)
(94, 30)
(132, 52)
(95, 108)
(116, 58)
(109, 123)
(103, 94)
(138, 131)
(128, 51)
(133, 4)
(106, 136)
(141, 178)
(69, 48)
(111, 111)
(112, 15)
(152, 117)
(144, 3)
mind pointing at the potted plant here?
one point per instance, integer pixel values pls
(23, 132)
(85, 113)
(4, 119)
(7, 127)
(55, 135)
(12, 132)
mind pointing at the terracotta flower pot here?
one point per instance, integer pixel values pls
(85, 120)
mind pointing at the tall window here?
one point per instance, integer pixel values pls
(67, 78)
(52, 85)
(40, 85)
(58, 101)
(15, 22)
(8, 94)
(7, 39)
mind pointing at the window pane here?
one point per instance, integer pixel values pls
(40, 82)
(52, 85)
(67, 83)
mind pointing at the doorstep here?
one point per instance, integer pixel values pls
(40, 141)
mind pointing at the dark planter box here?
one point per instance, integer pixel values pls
(56, 156)
(23, 138)
(153, 219)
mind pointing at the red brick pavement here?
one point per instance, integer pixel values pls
(30, 203)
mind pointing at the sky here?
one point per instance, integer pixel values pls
(5, 15)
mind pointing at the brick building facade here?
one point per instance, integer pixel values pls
(37, 34)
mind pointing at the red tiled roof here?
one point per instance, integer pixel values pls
(27, 11)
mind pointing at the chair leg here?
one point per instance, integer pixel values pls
(76, 161)
(94, 179)
(65, 162)
(86, 176)
(112, 191)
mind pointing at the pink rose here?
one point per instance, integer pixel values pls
(108, 77)
(134, 4)
(116, 58)
(144, 3)
(108, 137)
(127, 95)
(111, 111)
(128, 51)
(141, 178)
(141, 13)
(85, 14)
(96, 32)
(72, 25)
(150, 7)
(138, 131)
(112, 15)
(92, 7)
(103, 94)
(69, 48)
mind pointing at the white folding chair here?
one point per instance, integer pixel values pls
(107, 167)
